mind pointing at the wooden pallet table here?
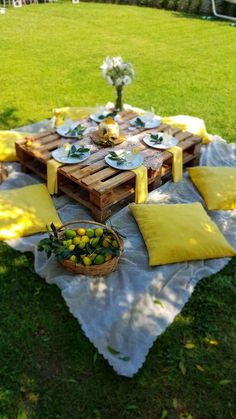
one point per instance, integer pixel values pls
(93, 183)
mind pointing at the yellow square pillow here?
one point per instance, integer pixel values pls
(7, 145)
(26, 211)
(217, 185)
(179, 232)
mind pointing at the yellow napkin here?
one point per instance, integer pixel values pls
(177, 165)
(189, 123)
(73, 113)
(141, 184)
(7, 144)
(52, 167)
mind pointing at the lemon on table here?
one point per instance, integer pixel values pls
(66, 146)
(73, 258)
(81, 231)
(135, 150)
(99, 260)
(29, 143)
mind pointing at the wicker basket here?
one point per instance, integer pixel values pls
(92, 270)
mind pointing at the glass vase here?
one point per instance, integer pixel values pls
(119, 104)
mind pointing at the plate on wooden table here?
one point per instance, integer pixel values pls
(160, 140)
(73, 130)
(143, 123)
(60, 156)
(99, 117)
(125, 165)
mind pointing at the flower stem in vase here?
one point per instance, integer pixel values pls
(118, 104)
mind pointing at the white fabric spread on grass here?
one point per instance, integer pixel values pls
(119, 311)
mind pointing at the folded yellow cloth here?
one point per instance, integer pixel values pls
(177, 165)
(7, 145)
(141, 184)
(52, 167)
(189, 123)
(73, 113)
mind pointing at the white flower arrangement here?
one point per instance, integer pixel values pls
(119, 74)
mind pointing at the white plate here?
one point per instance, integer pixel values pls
(137, 161)
(95, 116)
(57, 155)
(63, 129)
(152, 123)
(170, 142)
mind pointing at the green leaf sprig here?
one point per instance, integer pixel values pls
(139, 123)
(53, 245)
(111, 114)
(77, 153)
(156, 138)
(118, 158)
(77, 131)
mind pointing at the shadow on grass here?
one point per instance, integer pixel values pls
(8, 117)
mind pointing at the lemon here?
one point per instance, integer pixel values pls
(81, 231)
(92, 256)
(99, 260)
(114, 244)
(87, 261)
(82, 245)
(66, 146)
(71, 247)
(85, 239)
(76, 240)
(68, 242)
(135, 150)
(106, 242)
(90, 232)
(94, 241)
(73, 258)
(108, 257)
(99, 232)
(69, 234)
(29, 143)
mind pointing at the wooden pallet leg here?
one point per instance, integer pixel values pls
(100, 215)
(25, 169)
(3, 172)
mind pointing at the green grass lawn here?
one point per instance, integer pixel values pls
(50, 56)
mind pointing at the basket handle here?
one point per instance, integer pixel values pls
(91, 222)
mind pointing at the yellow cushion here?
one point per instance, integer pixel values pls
(26, 211)
(179, 232)
(7, 145)
(217, 185)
